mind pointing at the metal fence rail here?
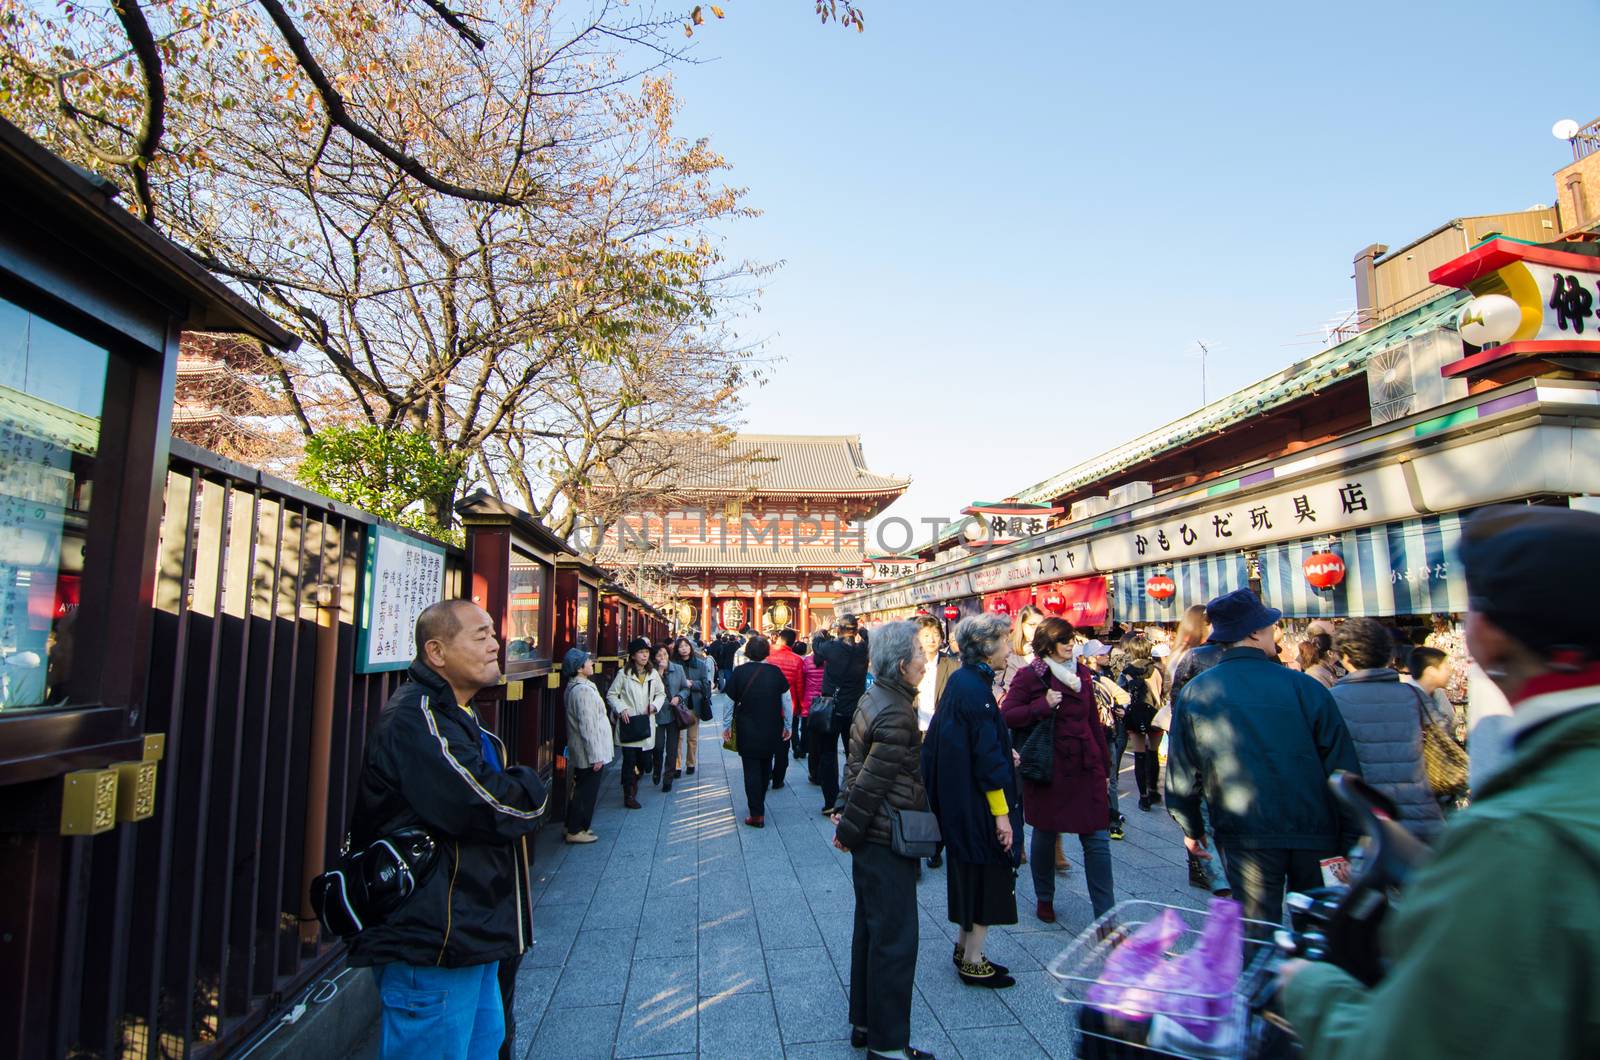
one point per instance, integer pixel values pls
(194, 929)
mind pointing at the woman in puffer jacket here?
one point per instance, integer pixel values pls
(882, 770)
(1384, 716)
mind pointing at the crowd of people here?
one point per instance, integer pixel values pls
(1009, 723)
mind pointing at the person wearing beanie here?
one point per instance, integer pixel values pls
(636, 694)
(1493, 950)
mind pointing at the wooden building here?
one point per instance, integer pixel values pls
(760, 540)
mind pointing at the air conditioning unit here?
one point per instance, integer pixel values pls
(1130, 493)
(1088, 508)
(1405, 379)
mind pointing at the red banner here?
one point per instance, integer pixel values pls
(1084, 599)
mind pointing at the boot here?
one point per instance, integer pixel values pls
(1141, 777)
(1062, 864)
(1197, 874)
(630, 795)
(1152, 782)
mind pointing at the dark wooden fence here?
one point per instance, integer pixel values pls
(191, 922)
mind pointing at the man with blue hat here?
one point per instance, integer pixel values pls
(1257, 741)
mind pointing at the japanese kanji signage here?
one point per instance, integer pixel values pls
(1003, 522)
(1357, 499)
(887, 569)
(402, 576)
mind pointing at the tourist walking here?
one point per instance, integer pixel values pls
(1058, 690)
(589, 742)
(636, 693)
(883, 773)
(1141, 679)
(1429, 670)
(664, 764)
(1318, 660)
(1196, 654)
(812, 667)
(1493, 951)
(968, 766)
(939, 665)
(1385, 718)
(844, 678)
(786, 659)
(758, 721)
(1236, 731)
(430, 764)
(1111, 703)
(697, 676)
(1020, 653)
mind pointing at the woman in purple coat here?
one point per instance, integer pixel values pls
(1056, 684)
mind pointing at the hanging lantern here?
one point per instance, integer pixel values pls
(1054, 602)
(731, 614)
(1161, 587)
(1324, 570)
(951, 613)
(779, 615)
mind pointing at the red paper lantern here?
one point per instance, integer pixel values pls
(1324, 570)
(951, 613)
(1161, 587)
(1054, 602)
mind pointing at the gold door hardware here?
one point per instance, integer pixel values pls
(136, 790)
(89, 802)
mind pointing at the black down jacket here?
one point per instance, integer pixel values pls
(883, 767)
(425, 767)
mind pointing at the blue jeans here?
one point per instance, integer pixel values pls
(1117, 745)
(1096, 868)
(440, 1013)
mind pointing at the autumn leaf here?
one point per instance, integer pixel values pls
(696, 17)
(715, 10)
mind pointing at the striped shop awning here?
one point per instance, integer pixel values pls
(1198, 580)
(1405, 568)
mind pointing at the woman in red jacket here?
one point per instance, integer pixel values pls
(1056, 685)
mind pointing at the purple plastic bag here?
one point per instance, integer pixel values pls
(1211, 967)
(1135, 959)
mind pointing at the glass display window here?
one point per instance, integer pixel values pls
(52, 389)
(527, 595)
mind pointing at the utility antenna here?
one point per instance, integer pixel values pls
(1204, 353)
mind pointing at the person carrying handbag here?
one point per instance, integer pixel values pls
(636, 693)
(882, 790)
(697, 675)
(1056, 693)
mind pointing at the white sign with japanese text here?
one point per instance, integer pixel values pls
(1363, 498)
(402, 576)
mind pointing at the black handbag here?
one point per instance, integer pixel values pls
(635, 730)
(365, 887)
(1038, 751)
(821, 716)
(913, 833)
(705, 710)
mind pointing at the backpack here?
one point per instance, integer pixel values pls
(1141, 711)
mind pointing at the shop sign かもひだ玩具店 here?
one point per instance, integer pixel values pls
(1363, 498)
(401, 576)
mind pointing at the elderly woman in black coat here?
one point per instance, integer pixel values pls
(882, 771)
(761, 719)
(970, 770)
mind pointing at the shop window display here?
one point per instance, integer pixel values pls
(52, 386)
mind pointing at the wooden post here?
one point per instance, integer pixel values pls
(320, 756)
(705, 613)
(755, 620)
(805, 613)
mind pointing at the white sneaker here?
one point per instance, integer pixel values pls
(581, 837)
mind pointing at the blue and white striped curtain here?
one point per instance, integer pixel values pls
(1198, 580)
(1406, 568)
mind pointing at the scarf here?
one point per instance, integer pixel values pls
(1066, 674)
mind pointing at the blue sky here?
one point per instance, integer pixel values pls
(1003, 228)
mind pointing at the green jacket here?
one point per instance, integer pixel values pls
(1495, 945)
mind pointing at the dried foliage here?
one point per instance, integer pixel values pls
(479, 217)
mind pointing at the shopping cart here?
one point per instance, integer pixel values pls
(1214, 1026)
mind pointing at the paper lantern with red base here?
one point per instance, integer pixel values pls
(1053, 602)
(952, 613)
(1324, 570)
(1161, 587)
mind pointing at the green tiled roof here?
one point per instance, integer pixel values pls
(1332, 365)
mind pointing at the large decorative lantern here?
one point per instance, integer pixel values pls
(1161, 587)
(779, 615)
(1324, 570)
(1054, 602)
(731, 614)
(951, 613)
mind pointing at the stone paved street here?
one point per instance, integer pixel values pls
(684, 933)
